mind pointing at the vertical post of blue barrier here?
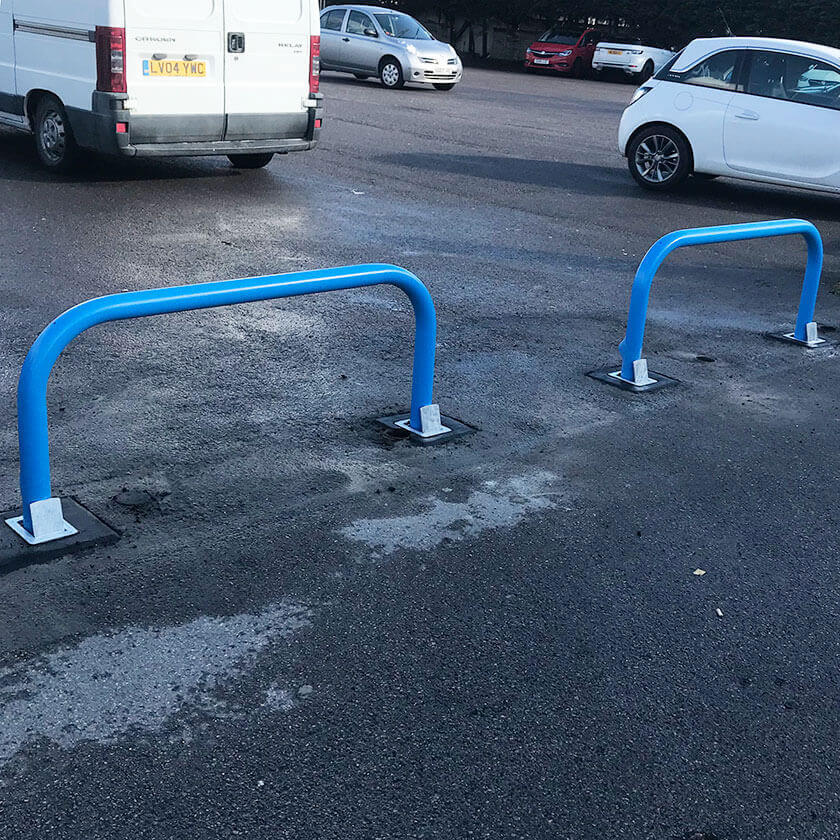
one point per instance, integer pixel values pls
(634, 368)
(42, 519)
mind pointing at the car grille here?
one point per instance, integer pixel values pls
(543, 52)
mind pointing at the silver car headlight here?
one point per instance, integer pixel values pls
(565, 52)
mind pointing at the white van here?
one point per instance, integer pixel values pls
(162, 77)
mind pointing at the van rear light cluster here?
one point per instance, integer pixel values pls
(110, 59)
(315, 64)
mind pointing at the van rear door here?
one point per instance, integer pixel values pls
(175, 70)
(267, 67)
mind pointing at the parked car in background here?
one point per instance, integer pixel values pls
(370, 41)
(140, 78)
(563, 51)
(763, 109)
(631, 57)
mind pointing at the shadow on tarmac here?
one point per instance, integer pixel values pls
(19, 162)
(591, 179)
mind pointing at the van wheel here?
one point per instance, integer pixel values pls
(251, 161)
(659, 158)
(54, 139)
(391, 74)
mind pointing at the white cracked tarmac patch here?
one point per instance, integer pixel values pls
(132, 679)
(497, 504)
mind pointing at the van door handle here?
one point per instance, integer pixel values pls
(346, 40)
(746, 115)
(236, 42)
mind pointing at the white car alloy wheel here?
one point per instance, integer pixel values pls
(657, 159)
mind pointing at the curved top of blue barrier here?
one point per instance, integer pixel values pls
(727, 233)
(167, 299)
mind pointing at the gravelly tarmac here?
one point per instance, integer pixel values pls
(311, 630)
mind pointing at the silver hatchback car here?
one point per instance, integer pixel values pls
(371, 41)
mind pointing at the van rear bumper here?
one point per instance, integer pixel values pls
(171, 135)
(219, 147)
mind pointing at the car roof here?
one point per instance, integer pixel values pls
(360, 6)
(702, 47)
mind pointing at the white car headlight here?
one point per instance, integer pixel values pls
(635, 52)
(640, 92)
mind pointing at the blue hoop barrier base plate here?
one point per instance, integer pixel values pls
(456, 429)
(607, 376)
(91, 532)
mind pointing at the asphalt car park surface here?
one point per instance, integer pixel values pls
(310, 629)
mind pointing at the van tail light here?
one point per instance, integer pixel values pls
(110, 59)
(315, 63)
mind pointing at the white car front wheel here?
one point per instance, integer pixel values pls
(659, 158)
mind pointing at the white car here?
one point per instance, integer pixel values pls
(763, 109)
(633, 59)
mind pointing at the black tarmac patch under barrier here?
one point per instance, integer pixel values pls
(457, 429)
(787, 337)
(605, 375)
(15, 553)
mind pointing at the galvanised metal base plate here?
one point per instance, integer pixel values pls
(15, 553)
(456, 429)
(788, 338)
(609, 376)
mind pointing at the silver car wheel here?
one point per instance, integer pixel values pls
(390, 74)
(657, 158)
(53, 136)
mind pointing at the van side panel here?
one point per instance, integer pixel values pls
(10, 103)
(54, 48)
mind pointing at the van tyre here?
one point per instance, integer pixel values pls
(391, 73)
(251, 161)
(54, 139)
(659, 158)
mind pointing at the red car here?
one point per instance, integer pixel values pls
(563, 51)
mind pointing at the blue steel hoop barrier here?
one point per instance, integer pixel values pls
(805, 331)
(42, 519)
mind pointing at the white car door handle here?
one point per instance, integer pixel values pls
(746, 115)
